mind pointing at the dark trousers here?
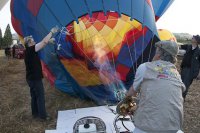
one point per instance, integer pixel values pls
(187, 78)
(37, 98)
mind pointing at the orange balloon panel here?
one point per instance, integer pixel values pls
(79, 71)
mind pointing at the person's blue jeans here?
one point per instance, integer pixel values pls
(37, 98)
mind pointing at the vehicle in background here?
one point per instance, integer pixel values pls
(18, 51)
(181, 52)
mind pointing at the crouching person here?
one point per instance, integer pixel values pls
(160, 108)
(34, 74)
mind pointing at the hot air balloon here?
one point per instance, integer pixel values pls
(120, 32)
(166, 35)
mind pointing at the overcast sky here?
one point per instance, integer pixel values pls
(181, 17)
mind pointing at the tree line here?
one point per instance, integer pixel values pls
(6, 40)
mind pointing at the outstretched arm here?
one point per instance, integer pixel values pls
(43, 43)
(45, 40)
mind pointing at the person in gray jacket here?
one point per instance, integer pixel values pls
(191, 63)
(159, 84)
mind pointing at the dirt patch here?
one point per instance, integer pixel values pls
(15, 110)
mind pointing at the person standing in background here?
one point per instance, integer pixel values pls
(190, 65)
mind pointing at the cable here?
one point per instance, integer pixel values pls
(124, 125)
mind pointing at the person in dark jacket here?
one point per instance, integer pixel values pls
(34, 74)
(190, 65)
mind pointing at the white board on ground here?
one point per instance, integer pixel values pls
(67, 119)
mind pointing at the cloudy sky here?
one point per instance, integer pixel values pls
(181, 17)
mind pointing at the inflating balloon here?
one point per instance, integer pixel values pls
(124, 29)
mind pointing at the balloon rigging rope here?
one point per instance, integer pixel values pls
(131, 53)
(151, 47)
(88, 21)
(142, 44)
(62, 30)
(93, 74)
(93, 46)
(111, 49)
(143, 35)
(104, 39)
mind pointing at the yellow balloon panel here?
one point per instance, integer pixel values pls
(79, 71)
(166, 35)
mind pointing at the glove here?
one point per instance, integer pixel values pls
(54, 29)
(52, 41)
(127, 106)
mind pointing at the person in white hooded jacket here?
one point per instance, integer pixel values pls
(160, 108)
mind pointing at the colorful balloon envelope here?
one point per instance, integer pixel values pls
(100, 45)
